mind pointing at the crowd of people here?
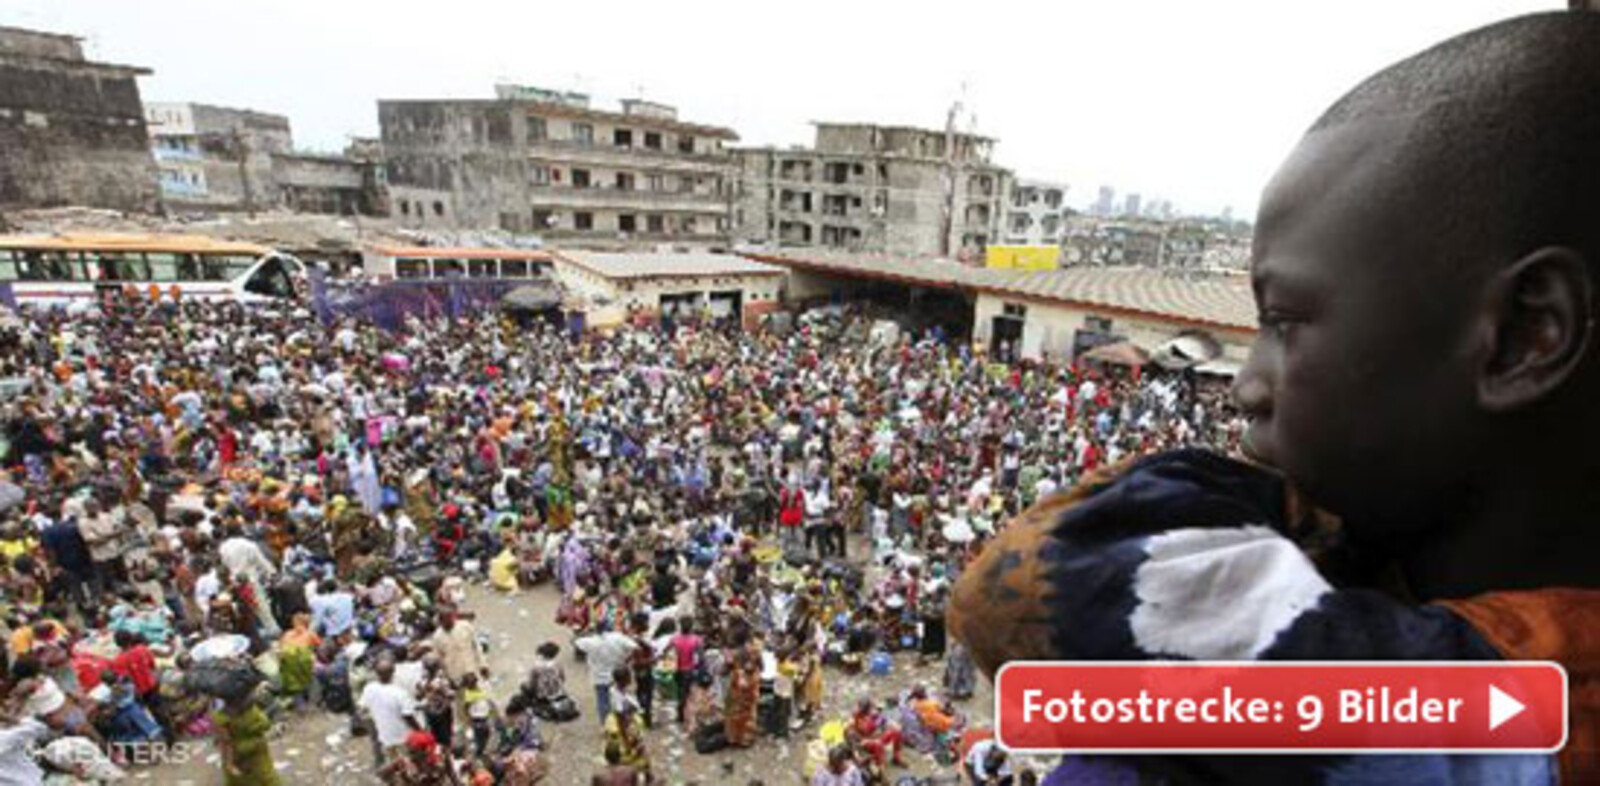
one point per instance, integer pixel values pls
(214, 518)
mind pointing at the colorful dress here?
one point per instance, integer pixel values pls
(246, 734)
(739, 708)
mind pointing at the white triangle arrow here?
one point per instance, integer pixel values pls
(1502, 707)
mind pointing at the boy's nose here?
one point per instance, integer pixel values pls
(1251, 393)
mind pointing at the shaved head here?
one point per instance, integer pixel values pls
(1425, 275)
(1501, 146)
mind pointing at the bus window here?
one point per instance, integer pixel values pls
(189, 268)
(163, 266)
(447, 268)
(271, 279)
(514, 268)
(410, 268)
(8, 265)
(117, 266)
(213, 268)
(56, 266)
(482, 268)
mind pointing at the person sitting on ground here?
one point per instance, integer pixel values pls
(1426, 372)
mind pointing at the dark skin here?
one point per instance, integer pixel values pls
(1438, 399)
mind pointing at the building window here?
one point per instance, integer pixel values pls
(624, 181)
(652, 140)
(655, 183)
(583, 221)
(622, 137)
(538, 130)
(438, 208)
(685, 144)
(405, 208)
(583, 133)
(1097, 324)
(580, 178)
(687, 225)
(539, 175)
(1015, 310)
(626, 222)
(542, 220)
(655, 223)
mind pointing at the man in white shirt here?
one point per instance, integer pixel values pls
(606, 651)
(987, 764)
(391, 710)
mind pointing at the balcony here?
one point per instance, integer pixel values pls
(175, 154)
(683, 201)
(637, 157)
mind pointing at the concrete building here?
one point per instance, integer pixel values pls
(871, 188)
(540, 162)
(1131, 206)
(216, 158)
(1035, 213)
(1054, 314)
(72, 131)
(648, 286)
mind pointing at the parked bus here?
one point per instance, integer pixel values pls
(389, 263)
(44, 270)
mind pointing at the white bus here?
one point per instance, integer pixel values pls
(394, 263)
(47, 270)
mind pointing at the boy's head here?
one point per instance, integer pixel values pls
(1423, 269)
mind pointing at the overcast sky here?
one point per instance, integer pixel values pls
(1193, 100)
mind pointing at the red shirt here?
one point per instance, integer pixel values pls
(137, 664)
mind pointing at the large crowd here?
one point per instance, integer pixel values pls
(213, 518)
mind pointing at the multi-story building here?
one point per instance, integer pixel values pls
(1035, 213)
(882, 189)
(213, 157)
(546, 163)
(71, 131)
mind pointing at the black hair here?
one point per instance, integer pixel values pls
(1499, 149)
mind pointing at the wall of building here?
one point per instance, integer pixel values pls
(890, 204)
(36, 43)
(621, 297)
(1049, 328)
(71, 132)
(1035, 214)
(511, 165)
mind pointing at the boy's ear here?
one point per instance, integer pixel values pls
(1537, 318)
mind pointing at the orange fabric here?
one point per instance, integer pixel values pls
(933, 716)
(1562, 625)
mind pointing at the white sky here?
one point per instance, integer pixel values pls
(1193, 100)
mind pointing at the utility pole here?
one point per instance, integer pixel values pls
(241, 148)
(947, 216)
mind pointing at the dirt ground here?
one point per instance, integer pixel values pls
(315, 747)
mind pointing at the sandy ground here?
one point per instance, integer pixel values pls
(315, 747)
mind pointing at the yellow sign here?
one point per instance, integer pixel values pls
(1023, 257)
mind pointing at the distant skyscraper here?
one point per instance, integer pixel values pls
(1106, 203)
(1131, 207)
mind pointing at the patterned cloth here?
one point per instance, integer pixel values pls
(1188, 556)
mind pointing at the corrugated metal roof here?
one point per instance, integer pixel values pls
(666, 265)
(1214, 300)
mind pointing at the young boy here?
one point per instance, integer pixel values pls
(1424, 269)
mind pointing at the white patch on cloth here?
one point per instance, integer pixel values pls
(1220, 593)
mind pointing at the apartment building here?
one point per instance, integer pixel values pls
(547, 163)
(873, 188)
